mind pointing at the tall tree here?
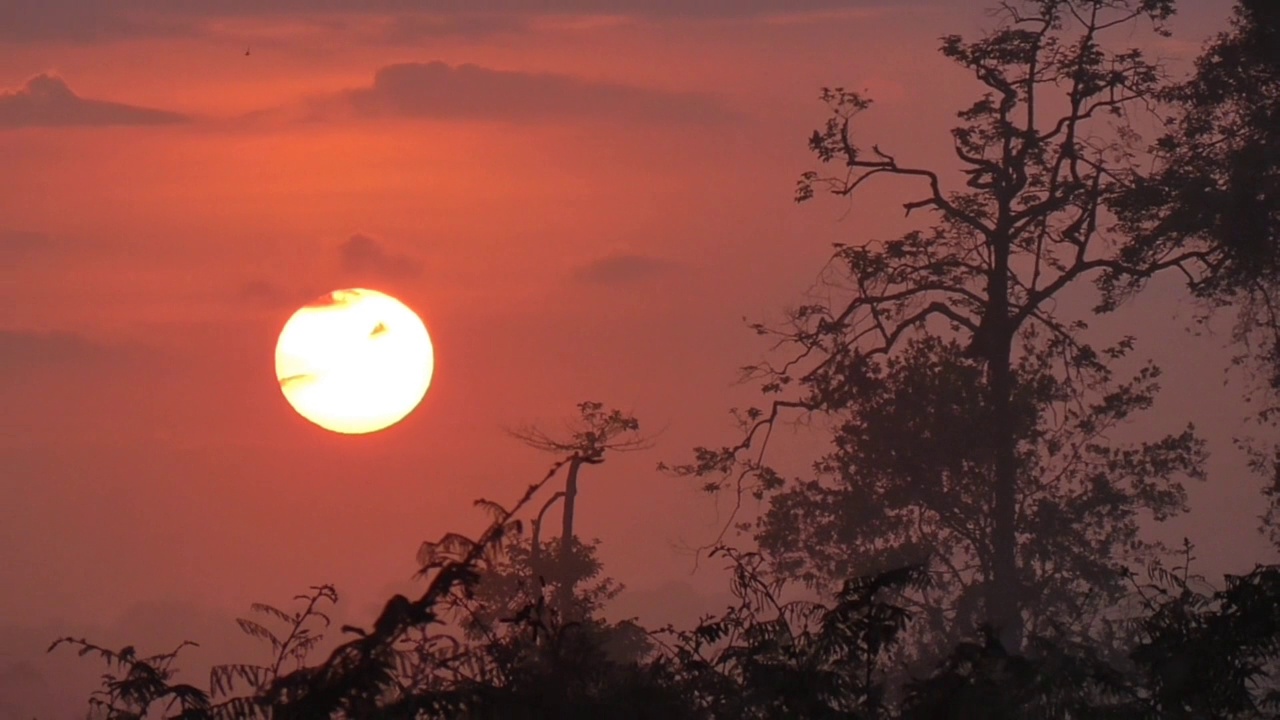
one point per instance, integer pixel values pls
(1028, 226)
(595, 432)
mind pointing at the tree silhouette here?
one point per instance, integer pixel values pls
(596, 432)
(136, 685)
(1028, 226)
(909, 481)
(303, 632)
(1217, 186)
(1217, 190)
(768, 658)
(1198, 654)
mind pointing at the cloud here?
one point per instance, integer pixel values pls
(18, 245)
(46, 101)
(270, 295)
(22, 350)
(87, 21)
(84, 21)
(440, 91)
(262, 292)
(363, 255)
(624, 268)
(416, 27)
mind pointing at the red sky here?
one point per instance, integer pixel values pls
(581, 205)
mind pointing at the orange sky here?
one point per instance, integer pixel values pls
(580, 206)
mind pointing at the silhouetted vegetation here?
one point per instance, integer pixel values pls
(1195, 652)
(970, 545)
(1039, 503)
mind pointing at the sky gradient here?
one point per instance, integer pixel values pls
(581, 205)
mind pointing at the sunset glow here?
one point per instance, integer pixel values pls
(563, 205)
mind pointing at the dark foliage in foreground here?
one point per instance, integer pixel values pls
(1193, 654)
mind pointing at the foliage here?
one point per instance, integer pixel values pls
(596, 432)
(301, 637)
(1197, 654)
(513, 581)
(908, 482)
(1217, 188)
(1216, 191)
(135, 686)
(514, 585)
(1028, 228)
(765, 658)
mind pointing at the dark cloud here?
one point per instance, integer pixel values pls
(18, 245)
(262, 292)
(624, 268)
(46, 101)
(363, 255)
(85, 21)
(60, 351)
(438, 90)
(272, 295)
(414, 28)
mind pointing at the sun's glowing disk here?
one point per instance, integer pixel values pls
(354, 361)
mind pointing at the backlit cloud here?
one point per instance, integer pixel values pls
(47, 101)
(363, 255)
(16, 245)
(416, 27)
(437, 90)
(624, 268)
(21, 351)
(87, 21)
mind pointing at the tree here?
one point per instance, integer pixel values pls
(1217, 186)
(137, 685)
(908, 481)
(1028, 227)
(765, 658)
(596, 432)
(1216, 189)
(512, 585)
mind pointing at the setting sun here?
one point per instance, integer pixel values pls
(354, 361)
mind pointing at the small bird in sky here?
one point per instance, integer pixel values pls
(246, 52)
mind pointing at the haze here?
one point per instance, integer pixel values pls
(580, 205)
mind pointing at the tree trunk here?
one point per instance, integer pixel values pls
(535, 543)
(565, 599)
(1003, 606)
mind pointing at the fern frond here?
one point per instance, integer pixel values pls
(274, 612)
(253, 629)
(222, 677)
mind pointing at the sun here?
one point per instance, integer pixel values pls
(354, 361)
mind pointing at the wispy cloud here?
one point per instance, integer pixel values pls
(436, 90)
(47, 101)
(86, 21)
(23, 351)
(624, 268)
(362, 255)
(16, 245)
(417, 27)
